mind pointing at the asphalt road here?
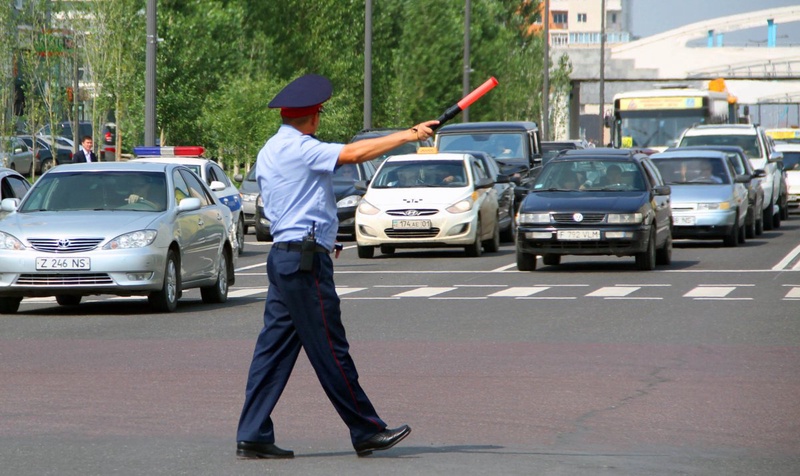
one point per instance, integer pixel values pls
(587, 368)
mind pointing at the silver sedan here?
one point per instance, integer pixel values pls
(116, 228)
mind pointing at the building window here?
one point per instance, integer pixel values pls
(613, 18)
(559, 39)
(581, 18)
(559, 17)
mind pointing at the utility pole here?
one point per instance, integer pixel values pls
(150, 76)
(546, 81)
(467, 70)
(368, 65)
(602, 72)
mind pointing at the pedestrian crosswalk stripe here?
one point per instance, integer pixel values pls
(424, 292)
(793, 293)
(710, 291)
(614, 291)
(519, 291)
(344, 291)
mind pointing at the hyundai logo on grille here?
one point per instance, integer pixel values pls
(63, 243)
(411, 213)
(577, 217)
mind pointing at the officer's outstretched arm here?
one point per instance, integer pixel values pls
(368, 149)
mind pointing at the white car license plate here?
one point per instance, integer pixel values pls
(684, 221)
(411, 224)
(578, 235)
(63, 264)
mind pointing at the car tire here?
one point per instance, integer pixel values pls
(551, 259)
(508, 235)
(664, 254)
(776, 219)
(474, 250)
(493, 245)
(246, 229)
(525, 261)
(166, 299)
(68, 299)
(767, 218)
(240, 235)
(760, 225)
(743, 233)
(732, 239)
(218, 293)
(9, 305)
(261, 236)
(387, 249)
(750, 230)
(366, 252)
(47, 164)
(646, 260)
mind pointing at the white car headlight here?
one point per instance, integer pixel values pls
(134, 239)
(367, 209)
(461, 206)
(249, 197)
(8, 242)
(349, 201)
(714, 206)
(625, 218)
(533, 218)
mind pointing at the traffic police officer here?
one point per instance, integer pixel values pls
(294, 172)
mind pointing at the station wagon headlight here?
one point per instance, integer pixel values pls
(533, 218)
(624, 218)
(461, 206)
(8, 242)
(367, 208)
(135, 239)
(349, 201)
(714, 206)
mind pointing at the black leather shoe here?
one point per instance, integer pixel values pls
(254, 450)
(382, 441)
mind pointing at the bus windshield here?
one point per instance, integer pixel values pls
(656, 129)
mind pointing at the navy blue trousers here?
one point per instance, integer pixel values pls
(302, 311)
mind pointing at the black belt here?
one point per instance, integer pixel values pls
(297, 246)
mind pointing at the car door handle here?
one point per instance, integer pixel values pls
(200, 222)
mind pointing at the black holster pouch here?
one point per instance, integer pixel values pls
(308, 248)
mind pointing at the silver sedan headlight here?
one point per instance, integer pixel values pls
(349, 201)
(134, 239)
(625, 218)
(9, 242)
(533, 218)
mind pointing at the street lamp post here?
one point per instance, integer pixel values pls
(150, 76)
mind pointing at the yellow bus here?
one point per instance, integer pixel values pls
(790, 135)
(656, 118)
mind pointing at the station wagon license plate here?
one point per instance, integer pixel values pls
(684, 221)
(578, 235)
(63, 264)
(411, 224)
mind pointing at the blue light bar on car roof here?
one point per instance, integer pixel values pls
(176, 151)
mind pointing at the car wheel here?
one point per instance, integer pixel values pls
(508, 235)
(742, 233)
(750, 230)
(366, 252)
(769, 224)
(646, 261)
(261, 236)
(240, 234)
(732, 239)
(493, 245)
(9, 305)
(551, 260)
(68, 300)
(776, 219)
(47, 164)
(664, 255)
(166, 299)
(760, 225)
(218, 293)
(525, 261)
(474, 250)
(784, 208)
(246, 229)
(387, 249)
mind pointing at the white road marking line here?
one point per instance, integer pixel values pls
(240, 293)
(615, 291)
(345, 291)
(710, 292)
(782, 264)
(793, 293)
(424, 292)
(519, 291)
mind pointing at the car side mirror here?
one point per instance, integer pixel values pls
(742, 178)
(9, 204)
(485, 182)
(238, 178)
(188, 204)
(662, 190)
(217, 186)
(776, 157)
(503, 178)
(758, 173)
(361, 185)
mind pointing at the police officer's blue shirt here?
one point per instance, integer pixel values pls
(295, 173)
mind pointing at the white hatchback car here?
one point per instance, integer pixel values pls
(791, 166)
(428, 200)
(208, 170)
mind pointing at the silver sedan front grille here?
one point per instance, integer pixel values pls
(64, 245)
(53, 279)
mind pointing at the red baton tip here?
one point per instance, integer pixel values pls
(477, 93)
